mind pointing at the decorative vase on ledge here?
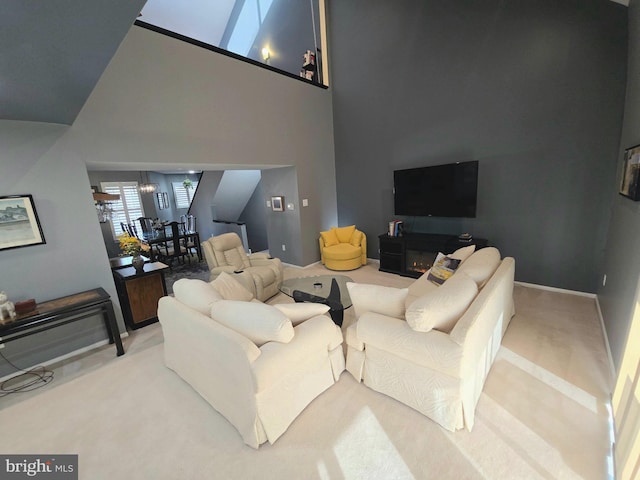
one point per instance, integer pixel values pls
(138, 263)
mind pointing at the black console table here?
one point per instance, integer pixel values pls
(54, 313)
(413, 253)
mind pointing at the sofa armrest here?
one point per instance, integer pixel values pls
(311, 344)
(258, 255)
(352, 339)
(215, 271)
(264, 261)
(215, 360)
(431, 349)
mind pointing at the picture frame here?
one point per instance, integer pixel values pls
(19, 222)
(277, 204)
(630, 182)
(163, 200)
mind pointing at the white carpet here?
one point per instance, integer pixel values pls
(132, 418)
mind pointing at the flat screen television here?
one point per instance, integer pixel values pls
(437, 191)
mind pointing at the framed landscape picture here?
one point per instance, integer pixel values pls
(629, 186)
(19, 223)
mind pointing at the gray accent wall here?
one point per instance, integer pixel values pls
(532, 90)
(618, 298)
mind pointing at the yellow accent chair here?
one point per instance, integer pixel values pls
(343, 248)
(259, 273)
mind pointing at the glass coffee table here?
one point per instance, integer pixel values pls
(330, 290)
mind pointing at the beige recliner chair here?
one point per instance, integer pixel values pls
(258, 272)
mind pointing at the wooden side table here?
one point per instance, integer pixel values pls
(139, 293)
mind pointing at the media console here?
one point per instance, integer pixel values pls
(413, 253)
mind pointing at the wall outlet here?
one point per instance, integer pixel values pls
(305, 202)
(604, 280)
(284, 248)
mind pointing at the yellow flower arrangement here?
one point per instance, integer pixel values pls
(131, 245)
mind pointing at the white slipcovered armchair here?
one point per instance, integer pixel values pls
(255, 365)
(259, 273)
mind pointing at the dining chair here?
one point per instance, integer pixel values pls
(172, 247)
(188, 226)
(129, 229)
(146, 223)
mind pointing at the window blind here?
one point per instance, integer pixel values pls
(183, 196)
(126, 210)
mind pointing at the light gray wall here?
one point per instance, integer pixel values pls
(222, 113)
(622, 256)
(160, 103)
(533, 90)
(37, 159)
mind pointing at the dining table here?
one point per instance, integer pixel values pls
(162, 234)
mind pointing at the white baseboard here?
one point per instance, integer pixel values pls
(558, 290)
(600, 317)
(61, 358)
(612, 366)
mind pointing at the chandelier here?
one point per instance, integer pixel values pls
(103, 205)
(148, 187)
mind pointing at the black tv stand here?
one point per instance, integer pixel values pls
(413, 253)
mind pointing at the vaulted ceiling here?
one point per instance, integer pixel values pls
(53, 52)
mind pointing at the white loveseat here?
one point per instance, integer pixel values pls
(246, 358)
(439, 373)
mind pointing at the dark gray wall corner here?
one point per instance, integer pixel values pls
(618, 298)
(535, 92)
(255, 219)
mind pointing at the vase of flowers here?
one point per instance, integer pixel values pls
(135, 248)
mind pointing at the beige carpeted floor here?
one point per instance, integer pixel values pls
(543, 413)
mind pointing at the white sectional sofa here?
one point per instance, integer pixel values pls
(258, 365)
(431, 347)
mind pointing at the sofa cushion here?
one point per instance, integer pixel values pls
(481, 265)
(441, 308)
(344, 233)
(443, 268)
(342, 251)
(197, 294)
(299, 312)
(356, 238)
(236, 257)
(230, 289)
(377, 298)
(463, 253)
(259, 322)
(420, 287)
(329, 238)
